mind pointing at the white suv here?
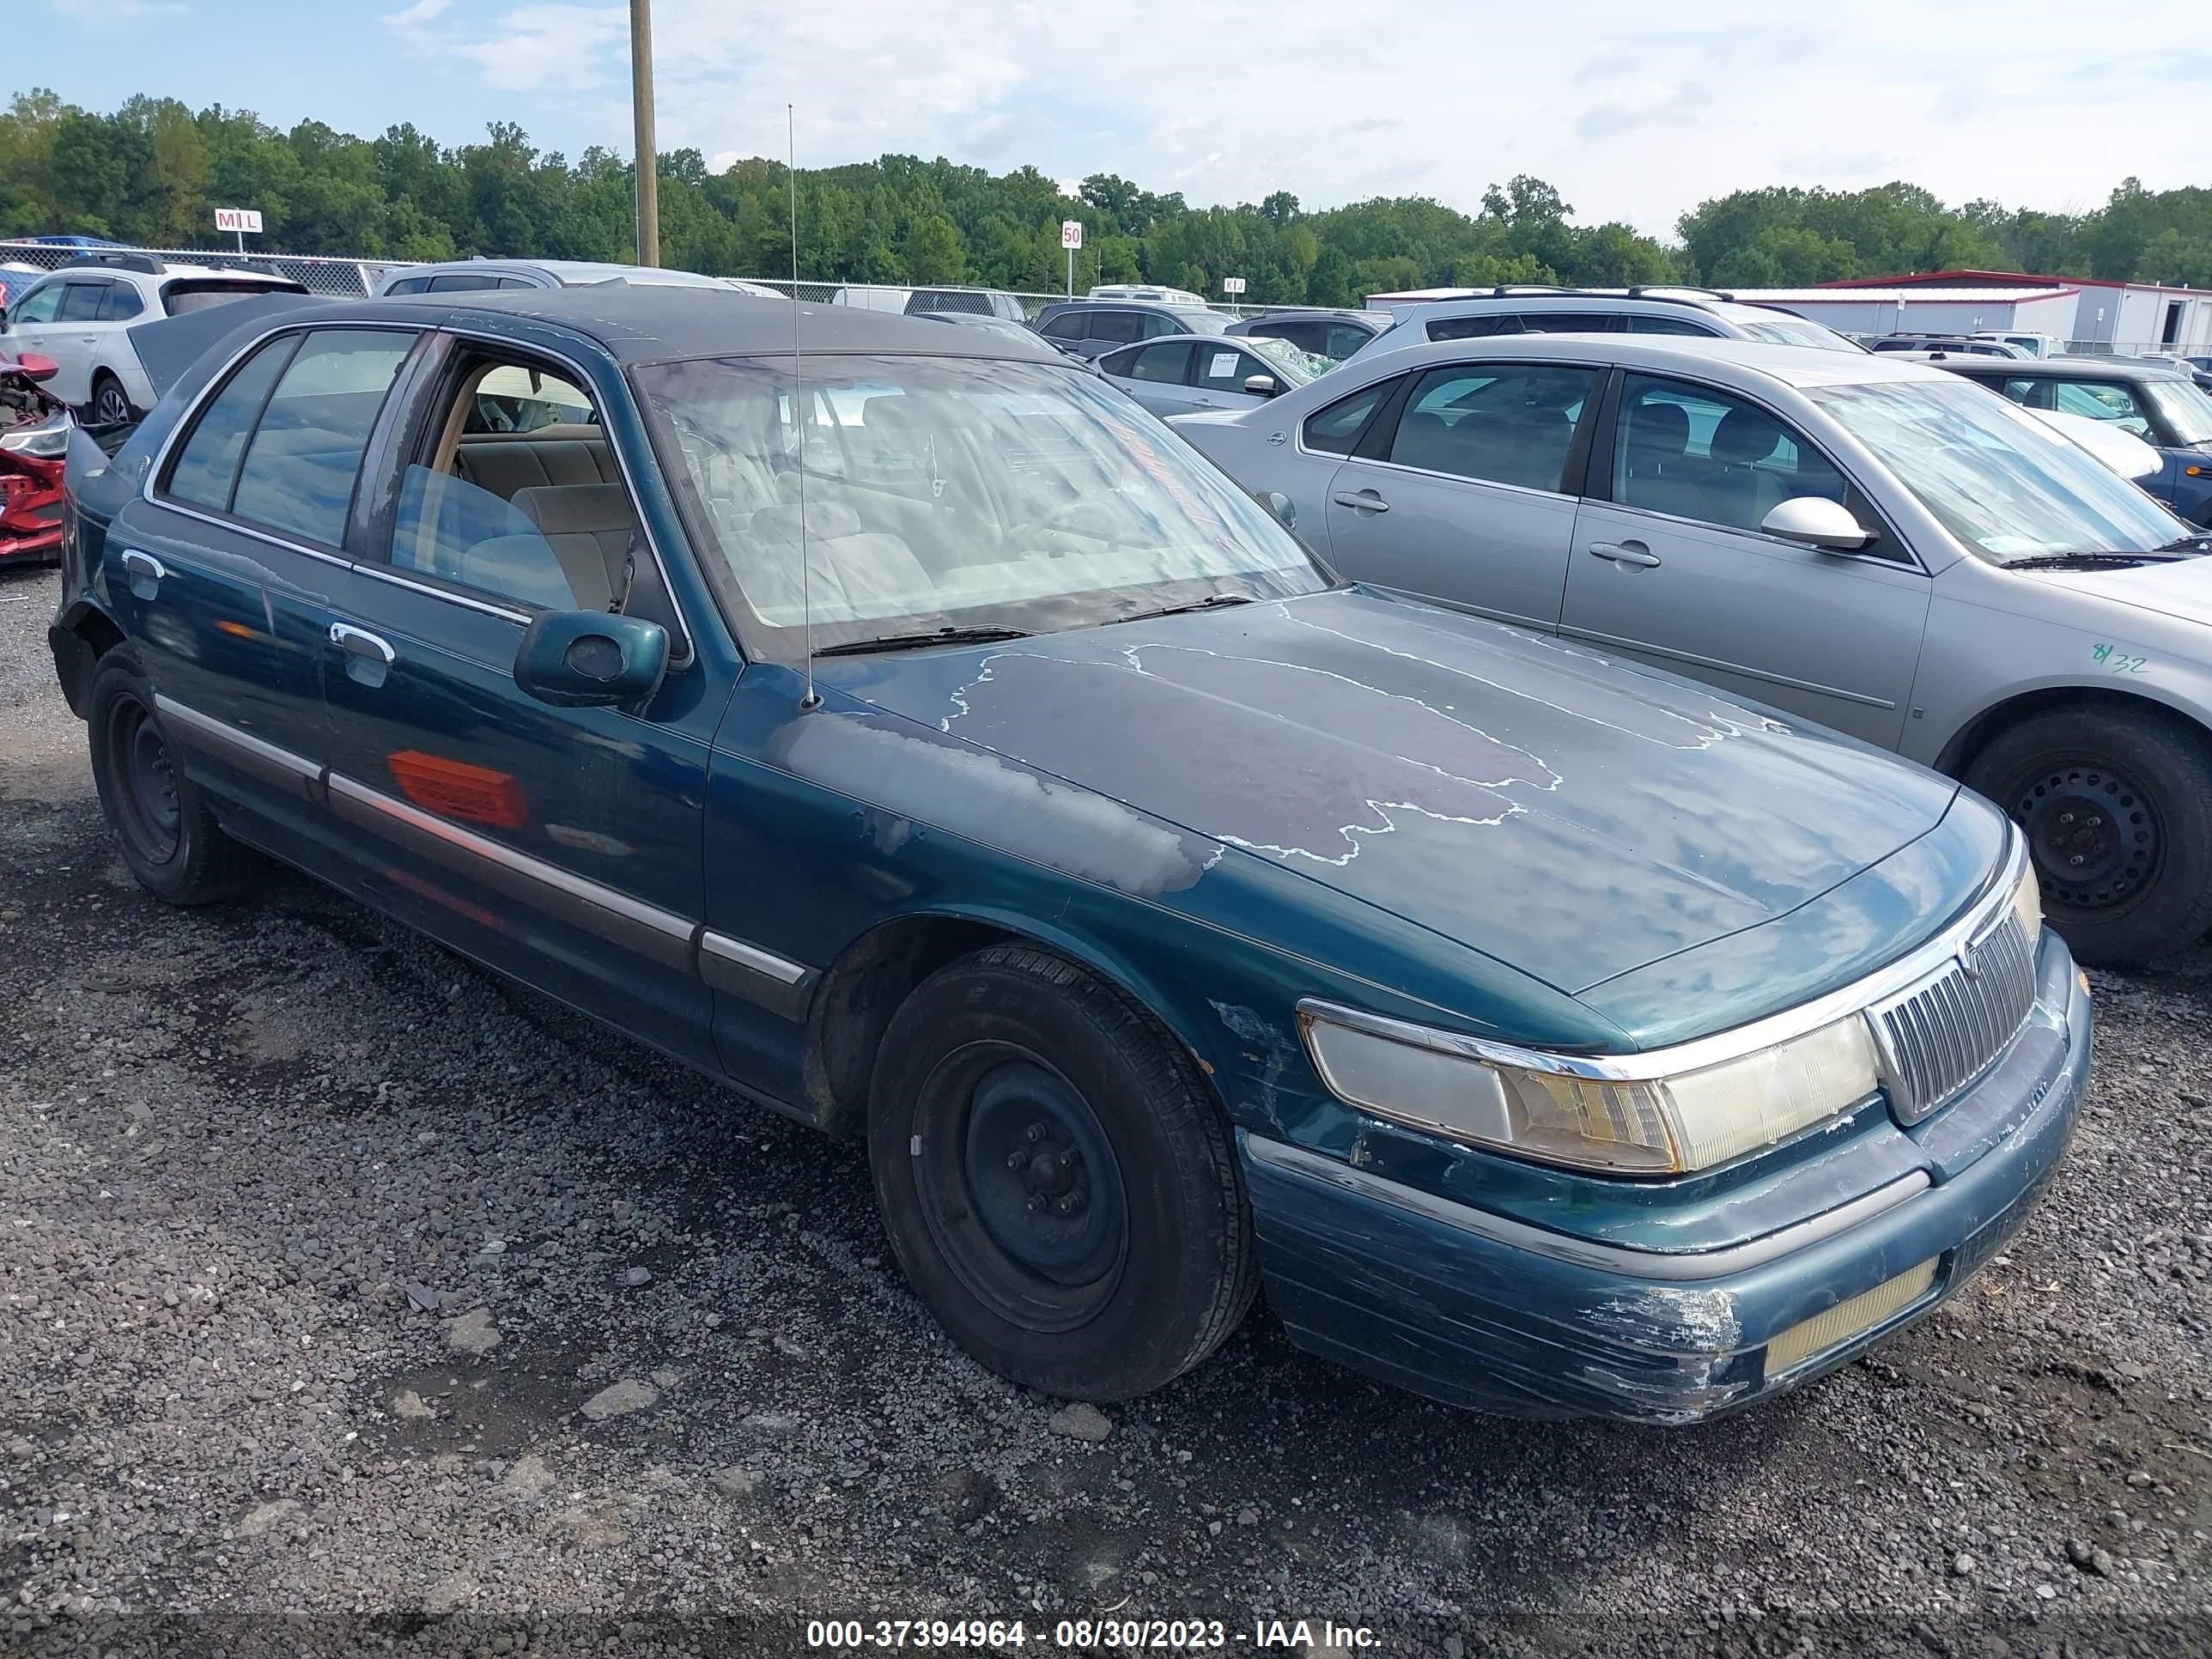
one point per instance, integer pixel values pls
(81, 314)
(1541, 308)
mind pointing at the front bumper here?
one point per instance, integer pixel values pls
(1485, 1312)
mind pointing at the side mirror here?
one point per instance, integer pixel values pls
(591, 659)
(32, 365)
(1817, 522)
(1282, 507)
(1261, 386)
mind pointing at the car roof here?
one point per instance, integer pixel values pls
(567, 271)
(194, 273)
(654, 322)
(1377, 320)
(2088, 368)
(1792, 365)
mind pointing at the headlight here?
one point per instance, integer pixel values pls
(43, 439)
(1563, 1110)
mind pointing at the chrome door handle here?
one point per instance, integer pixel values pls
(1633, 553)
(143, 563)
(1203, 403)
(360, 642)
(1364, 501)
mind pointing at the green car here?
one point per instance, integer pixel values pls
(916, 735)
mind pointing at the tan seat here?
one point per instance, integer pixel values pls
(589, 527)
(506, 462)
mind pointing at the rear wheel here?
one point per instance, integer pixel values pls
(2117, 806)
(110, 404)
(1056, 1183)
(167, 836)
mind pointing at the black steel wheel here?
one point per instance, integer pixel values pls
(163, 827)
(2117, 807)
(1056, 1181)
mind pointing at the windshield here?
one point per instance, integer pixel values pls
(949, 492)
(1777, 329)
(1298, 367)
(1204, 322)
(2187, 410)
(2006, 487)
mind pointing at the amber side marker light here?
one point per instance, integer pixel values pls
(455, 789)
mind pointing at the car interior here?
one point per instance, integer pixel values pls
(1696, 456)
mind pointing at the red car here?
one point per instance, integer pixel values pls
(34, 429)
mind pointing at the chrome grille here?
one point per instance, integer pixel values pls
(1936, 1036)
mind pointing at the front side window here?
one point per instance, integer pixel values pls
(1341, 340)
(39, 304)
(1509, 423)
(1124, 326)
(299, 466)
(1224, 369)
(2004, 484)
(1068, 326)
(1696, 453)
(985, 494)
(2186, 410)
(408, 285)
(179, 298)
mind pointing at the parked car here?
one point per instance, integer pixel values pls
(2162, 406)
(1334, 335)
(2125, 453)
(1004, 329)
(79, 315)
(1538, 309)
(1956, 345)
(1151, 292)
(984, 301)
(1859, 541)
(1184, 372)
(1090, 327)
(472, 275)
(1168, 919)
(2035, 344)
(34, 432)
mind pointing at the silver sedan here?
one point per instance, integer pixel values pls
(1184, 373)
(1861, 542)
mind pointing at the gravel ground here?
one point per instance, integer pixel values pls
(353, 1300)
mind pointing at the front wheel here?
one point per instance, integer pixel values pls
(1057, 1185)
(2117, 807)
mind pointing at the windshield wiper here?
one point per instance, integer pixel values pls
(1211, 602)
(909, 642)
(2068, 561)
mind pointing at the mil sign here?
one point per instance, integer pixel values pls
(239, 221)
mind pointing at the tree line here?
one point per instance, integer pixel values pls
(152, 170)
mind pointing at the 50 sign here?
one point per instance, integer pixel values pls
(2117, 661)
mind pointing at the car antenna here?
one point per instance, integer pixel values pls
(798, 414)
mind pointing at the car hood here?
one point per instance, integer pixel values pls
(1569, 816)
(2181, 587)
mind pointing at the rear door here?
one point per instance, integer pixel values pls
(1670, 565)
(1465, 491)
(221, 576)
(1156, 374)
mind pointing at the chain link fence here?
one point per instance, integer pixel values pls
(320, 274)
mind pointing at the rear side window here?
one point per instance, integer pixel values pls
(122, 303)
(300, 467)
(1335, 429)
(409, 285)
(1509, 423)
(1119, 326)
(207, 466)
(1068, 326)
(462, 282)
(1571, 322)
(1473, 328)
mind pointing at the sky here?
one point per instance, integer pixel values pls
(1634, 111)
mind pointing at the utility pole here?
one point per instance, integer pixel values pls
(648, 155)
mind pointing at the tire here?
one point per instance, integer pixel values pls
(110, 404)
(1058, 1185)
(161, 823)
(2117, 810)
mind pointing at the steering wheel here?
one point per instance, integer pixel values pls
(1059, 518)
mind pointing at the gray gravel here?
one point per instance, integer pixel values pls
(352, 1300)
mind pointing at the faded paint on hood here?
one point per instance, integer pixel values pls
(1567, 815)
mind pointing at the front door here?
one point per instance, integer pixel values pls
(1467, 498)
(561, 845)
(1674, 568)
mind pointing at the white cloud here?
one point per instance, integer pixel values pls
(1402, 97)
